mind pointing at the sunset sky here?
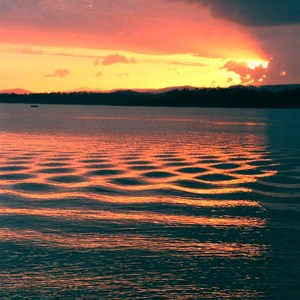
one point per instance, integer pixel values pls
(64, 45)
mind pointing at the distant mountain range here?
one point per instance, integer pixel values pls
(269, 88)
(15, 91)
(154, 91)
(284, 96)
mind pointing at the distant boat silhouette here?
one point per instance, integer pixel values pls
(34, 105)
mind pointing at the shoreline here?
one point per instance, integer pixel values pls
(235, 97)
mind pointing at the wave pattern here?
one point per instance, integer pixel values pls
(135, 217)
(130, 175)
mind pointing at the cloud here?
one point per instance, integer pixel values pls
(117, 59)
(35, 50)
(75, 15)
(282, 44)
(254, 12)
(249, 72)
(208, 28)
(27, 50)
(190, 64)
(60, 73)
(99, 74)
(141, 26)
(274, 24)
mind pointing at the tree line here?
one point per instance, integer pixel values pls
(239, 96)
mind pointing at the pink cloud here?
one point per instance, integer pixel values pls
(161, 27)
(27, 50)
(157, 26)
(59, 73)
(248, 74)
(117, 59)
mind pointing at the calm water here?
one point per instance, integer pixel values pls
(149, 203)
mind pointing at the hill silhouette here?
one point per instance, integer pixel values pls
(237, 96)
(15, 91)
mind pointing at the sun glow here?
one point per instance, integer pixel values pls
(145, 45)
(47, 69)
(256, 64)
(250, 72)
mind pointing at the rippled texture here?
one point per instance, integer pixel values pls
(149, 203)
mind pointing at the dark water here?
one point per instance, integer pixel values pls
(149, 203)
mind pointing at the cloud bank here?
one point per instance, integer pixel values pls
(255, 12)
(275, 24)
(156, 27)
(229, 29)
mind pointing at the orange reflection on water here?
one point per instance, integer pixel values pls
(183, 184)
(124, 175)
(114, 283)
(130, 216)
(133, 241)
(242, 123)
(134, 199)
(206, 170)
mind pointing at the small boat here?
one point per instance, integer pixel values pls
(34, 105)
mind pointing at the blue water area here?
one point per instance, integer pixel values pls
(102, 202)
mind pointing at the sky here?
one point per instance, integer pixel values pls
(70, 45)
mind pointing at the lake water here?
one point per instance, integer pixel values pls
(149, 203)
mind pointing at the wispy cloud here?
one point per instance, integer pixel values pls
(190, 64)
(117, 59)
(59, 73)
(27, 50)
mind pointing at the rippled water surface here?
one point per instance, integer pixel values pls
(149, 203)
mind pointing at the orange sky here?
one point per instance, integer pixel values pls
(61, 45)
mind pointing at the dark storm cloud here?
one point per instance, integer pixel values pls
(281, 44)
(275, 24)
(255, 12)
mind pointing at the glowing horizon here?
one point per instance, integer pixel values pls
(109, 69)
(65, 45)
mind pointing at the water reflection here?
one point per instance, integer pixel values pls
(128, 204)
(132, 216)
